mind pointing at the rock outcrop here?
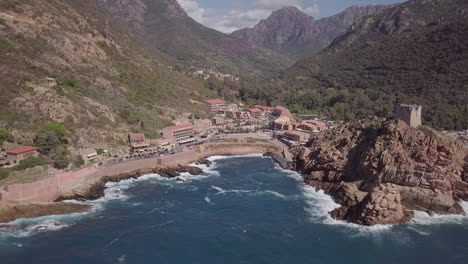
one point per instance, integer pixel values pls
(10, 212)
(380, 171)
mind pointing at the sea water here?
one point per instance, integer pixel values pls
(242, 210)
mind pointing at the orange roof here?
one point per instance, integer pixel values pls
(282, 108)
(21, 150)
(215, 101)
(179, 127)
(255, 110)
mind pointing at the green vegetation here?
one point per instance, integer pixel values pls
(5, 136)
(53, 140)
(4, 173)
(373, 71)
(78, 162)
(32, 162)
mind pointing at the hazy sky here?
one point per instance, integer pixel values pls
(227, 16)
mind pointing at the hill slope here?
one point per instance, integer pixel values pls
(416, 52)
(165, 25)
(110, 82)
(290, 31)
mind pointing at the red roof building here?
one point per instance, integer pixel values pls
(264, 108)
(215, 106)
(255, 112)
(15, 156)
(181, 134)
(280, 110)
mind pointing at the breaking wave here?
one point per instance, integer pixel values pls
(221, 191)
(29, 227)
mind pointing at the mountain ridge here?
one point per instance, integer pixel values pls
(291, 31)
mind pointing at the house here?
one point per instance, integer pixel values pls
(255, 112)
(312, 126)
(163, 144)
(202, 126)
(285, 123)
(16, 155)
(218, 121)
(265, 109)
(181, 134)
(88, 155)
(215, 106)
(280, 110)
(245, 115)
(138, 143)
(51, 82)
(232, 108)
(297, 136)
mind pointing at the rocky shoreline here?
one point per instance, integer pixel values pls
(381, 171)
(94, 189)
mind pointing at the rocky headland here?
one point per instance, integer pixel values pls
(381, 171)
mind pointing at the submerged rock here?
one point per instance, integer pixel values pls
(379, 171)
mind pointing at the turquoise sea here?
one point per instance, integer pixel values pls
(242, 210)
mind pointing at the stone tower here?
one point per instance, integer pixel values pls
(410, 114)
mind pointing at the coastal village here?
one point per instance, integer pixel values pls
(232, 129)
(227, 121)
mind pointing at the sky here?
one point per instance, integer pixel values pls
(229, 15)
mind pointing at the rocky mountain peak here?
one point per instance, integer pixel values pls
(291, 31)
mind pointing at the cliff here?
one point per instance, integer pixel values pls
(293, 32)
(380, 171)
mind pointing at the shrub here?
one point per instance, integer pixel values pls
(32, 162)
(4, 173)
(51, 137)
(79, 161)
(61, 160)
(5, 136)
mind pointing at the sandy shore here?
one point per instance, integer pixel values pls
(91, 185)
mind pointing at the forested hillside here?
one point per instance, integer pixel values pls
(416, 52)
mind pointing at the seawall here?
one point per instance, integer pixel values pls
(50, 189)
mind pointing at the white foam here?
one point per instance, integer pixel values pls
(208, 200)
(320, 205)
(29, 227)
(221, 191)
(216, 158)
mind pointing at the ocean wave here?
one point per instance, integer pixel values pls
(221, 191)
(28, 227)
(291, 174)
(423, 218)
(217, 158)
(208, 200)
(319, 206)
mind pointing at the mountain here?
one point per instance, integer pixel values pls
(110, 81)
(416, 52)
(291, 31)
(166, 26)
(120, 65)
